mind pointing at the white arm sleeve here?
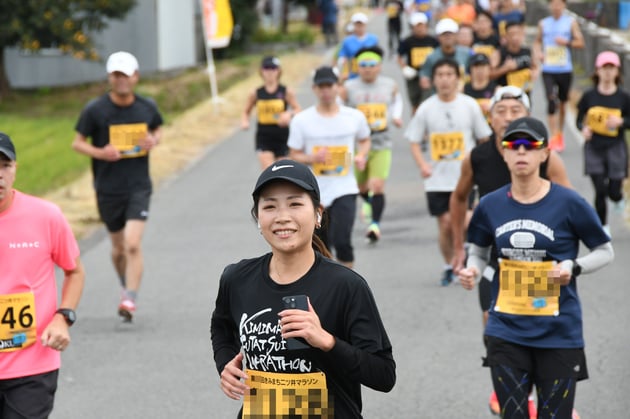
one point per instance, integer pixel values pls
(397, 106)
(597, 258)
(478, 257)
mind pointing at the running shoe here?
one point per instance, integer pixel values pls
(557, 143)
(533, 409)
(493, 404)
(574, 414)
(447, 277)
(366, 213)
(126, 309)
(373, 233)
(619, 207)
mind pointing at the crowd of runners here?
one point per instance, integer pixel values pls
(508, 221)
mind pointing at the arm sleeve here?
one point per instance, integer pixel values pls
(397, 105)
(478, 257)
(596, 259)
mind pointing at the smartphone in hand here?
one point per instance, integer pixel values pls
(296, 302)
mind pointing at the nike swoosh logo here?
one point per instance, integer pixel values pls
(275, 168)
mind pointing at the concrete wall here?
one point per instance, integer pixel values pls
(160, 33)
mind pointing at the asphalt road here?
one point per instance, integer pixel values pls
(161, 365)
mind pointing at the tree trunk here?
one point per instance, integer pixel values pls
(285, 16)
(4, 81)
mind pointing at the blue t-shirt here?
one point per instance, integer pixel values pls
(548, 230)
(351, 45)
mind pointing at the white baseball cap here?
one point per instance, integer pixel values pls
(446, 25)
(123, 62)
(359, 18)
(417, 18)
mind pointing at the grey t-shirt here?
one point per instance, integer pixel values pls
(451, 130)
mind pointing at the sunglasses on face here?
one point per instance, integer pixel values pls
(370, 63)
(528, 143)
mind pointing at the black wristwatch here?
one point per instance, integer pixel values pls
(577, 269)
(68, 314)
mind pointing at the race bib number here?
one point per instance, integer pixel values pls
(392, 10)
(126, 139)
(376, 115)
(486, 50)
(526, 290)
(447, 146)
(354, 66)
(597, 120)
(269, 111)
(418, 55)
(276, 395)
(520, 78)
(337, 163)
(18, 328)
(556, 55)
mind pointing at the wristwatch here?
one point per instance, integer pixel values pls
(577, 269)
(68, 314)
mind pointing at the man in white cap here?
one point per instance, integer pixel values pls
(346, 61)
(446, 31)
(123, 128)
(412, 53)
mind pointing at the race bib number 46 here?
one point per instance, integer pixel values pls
(276, 395)
(18, 328)
(525, 289)
(126, 138)
(376, 115)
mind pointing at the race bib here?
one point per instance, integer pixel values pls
(520, 78)
(277, 395)
(18, 328)
(556, 55)
(447, 146)
(418, 55)
(525, 290)
(392, 10)
(484, 104)
(486, 50)
(126, 138)
(269, 111)
(337, 163)
(376, 115)
(354, 66)
(597, 118)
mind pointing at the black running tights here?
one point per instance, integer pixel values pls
(605, 188)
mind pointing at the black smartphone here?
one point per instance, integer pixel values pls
(296, 302)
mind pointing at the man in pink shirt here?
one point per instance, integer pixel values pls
(35, 237)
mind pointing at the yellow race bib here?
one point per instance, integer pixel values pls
(520, 78)
(524, 289)
(597, 119)
(418, 55)
(556, 55)
(392, 10)
(269, 111)
(376, 115)
(126, 139)
(18, 327)
(277, 395)
(447, 146)
(337, 163)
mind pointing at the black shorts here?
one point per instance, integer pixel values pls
(115, 210)
(438, 202)
(540, 363)
(276, 143)
(30, 397)
(560, 80)
(612, 161)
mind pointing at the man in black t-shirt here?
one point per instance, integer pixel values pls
(123, 128)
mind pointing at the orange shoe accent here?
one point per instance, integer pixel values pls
(574, 414)
(556, 143)
(493, 404)
(533, 410)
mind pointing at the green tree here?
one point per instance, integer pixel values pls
(68, 25)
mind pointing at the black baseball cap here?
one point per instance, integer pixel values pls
(325, 75)
(291, 171)
(270, 62)
(528, 126)
(478, 59)
(6, 146)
